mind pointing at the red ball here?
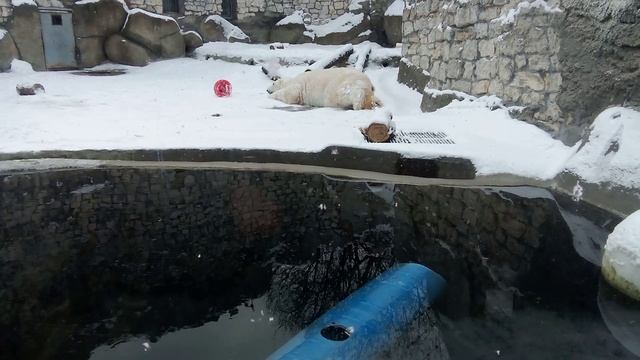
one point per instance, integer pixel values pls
(222, 88)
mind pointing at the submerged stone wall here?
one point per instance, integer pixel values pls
(565, 61)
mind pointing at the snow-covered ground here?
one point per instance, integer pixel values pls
(170, 104)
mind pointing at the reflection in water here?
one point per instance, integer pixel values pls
(250, 333)
(622, 316)
(95, 258)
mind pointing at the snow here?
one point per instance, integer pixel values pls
(295, 54)
(23, 2)
(295, 18)
(169, 104)
(612, 152)
(356, 5)
(230, 30)
(510, 16)
(395, 9)
(21, 67)
(342, 23)
(191, 32)
(3, 32)
(622, 254)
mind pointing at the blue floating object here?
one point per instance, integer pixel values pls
(366, 322)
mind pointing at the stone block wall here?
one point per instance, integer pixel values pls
(149, 5)
(320, 10)
(5, 11)
(202, 7)
(479, 47)
(536, 54)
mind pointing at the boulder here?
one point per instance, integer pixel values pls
(158, 33)
(90, 51)
(26, 31)
(343, 37)
(93, 22)
(258, 27)
(289, 33)
(124, 51)
(29, 89)
(8, 50)
(393, 29)
(192, 40)
(211, 31)
(216, 28)
(190, 22)
(102, 18)
(412, 76)
(432, 101)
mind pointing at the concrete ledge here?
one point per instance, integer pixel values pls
(613, 198)
(335, 157)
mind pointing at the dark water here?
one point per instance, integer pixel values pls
(204, 264)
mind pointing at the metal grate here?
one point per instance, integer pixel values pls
(420, 137)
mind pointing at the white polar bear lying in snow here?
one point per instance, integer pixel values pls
(335, 87)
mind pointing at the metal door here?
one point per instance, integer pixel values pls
(57, 36)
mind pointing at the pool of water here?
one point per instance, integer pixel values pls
(127, 263)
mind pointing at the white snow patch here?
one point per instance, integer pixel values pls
(84, 112)
(510, 16)
(342, 23)
(191, 32)
(21, 67)
(23, 2)
(356, 4)
(230, 30)
(395, 9)
(295, 54)
(622, 251)
(612, 153)
(296, 18)
(3, 32)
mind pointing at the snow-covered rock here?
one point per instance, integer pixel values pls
(621, 260)
(612, 152)
(158, 33)
(8, 50)
(229, 31)
(395, 9)
(21, 67)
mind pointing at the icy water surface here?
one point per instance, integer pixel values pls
(208, 264)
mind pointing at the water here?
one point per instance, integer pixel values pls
(161, 264)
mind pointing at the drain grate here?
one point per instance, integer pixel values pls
(420, 137)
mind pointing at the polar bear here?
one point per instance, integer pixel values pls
(335, 87)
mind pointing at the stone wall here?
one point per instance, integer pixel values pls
(202, 7)
(476, 48)
(149, 5)
(5, 11)
(522, 52)
(318, 9)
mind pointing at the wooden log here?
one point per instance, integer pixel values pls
(363, 58)
(329, 61)
(377, 132)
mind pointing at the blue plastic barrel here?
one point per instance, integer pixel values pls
(368, 320)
